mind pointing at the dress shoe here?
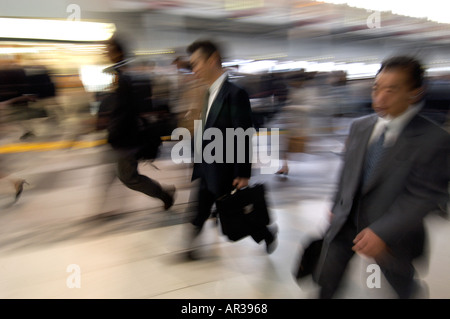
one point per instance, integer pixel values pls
(19, 188)
(271, 245)
(192, 255)
(283, 171)
(192, 236)
(271, 240)
(27, 135)
(168, 197)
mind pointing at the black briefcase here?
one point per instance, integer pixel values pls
(243, 210)
(308, 260)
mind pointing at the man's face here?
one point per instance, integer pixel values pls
(201, 65)
(392, 93)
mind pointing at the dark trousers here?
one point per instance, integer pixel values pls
(205, 202)
(397, 269)
(128, 174)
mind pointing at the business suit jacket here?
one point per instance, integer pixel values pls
(230, 109)
(130, 98)
(412, 181)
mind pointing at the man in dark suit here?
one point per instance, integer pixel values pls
(227, 106)
(124, 135)
(395, 172)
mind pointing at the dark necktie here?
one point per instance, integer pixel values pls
(198, 137)
(205, 110)
(374, 155)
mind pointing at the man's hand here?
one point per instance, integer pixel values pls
(330, 216)
(369, 244)
(240, 182)
(25, 98)
(22, 98)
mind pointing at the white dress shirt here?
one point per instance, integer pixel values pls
(394, 125)
(214, 90)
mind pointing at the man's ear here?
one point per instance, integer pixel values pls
(214, 59)
(416, 94)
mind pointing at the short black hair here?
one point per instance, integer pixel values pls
(206, 46)
(411, 65)
(119, 43)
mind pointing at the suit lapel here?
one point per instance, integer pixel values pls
(400, 149)
(217, 105)
(358, 148)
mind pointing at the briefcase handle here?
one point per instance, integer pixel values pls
(241, 189)
(233, 191)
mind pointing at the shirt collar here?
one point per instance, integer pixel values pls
(218, 83)
(399, 122)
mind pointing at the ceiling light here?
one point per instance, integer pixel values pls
(62, 30)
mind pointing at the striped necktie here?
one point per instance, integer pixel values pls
(374, 156)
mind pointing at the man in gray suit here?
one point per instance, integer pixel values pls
(395, 172)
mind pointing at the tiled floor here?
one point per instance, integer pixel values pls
(55, 232)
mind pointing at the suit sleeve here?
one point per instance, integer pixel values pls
(341, 185)
(241, 118)
(426, 188)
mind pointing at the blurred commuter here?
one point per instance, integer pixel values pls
(295, 121)
(123, 131)
(22, 98)
(226, 106)
(41, 85)
(189, 94)
(16, 182)
(13, 84)
(395, 172)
